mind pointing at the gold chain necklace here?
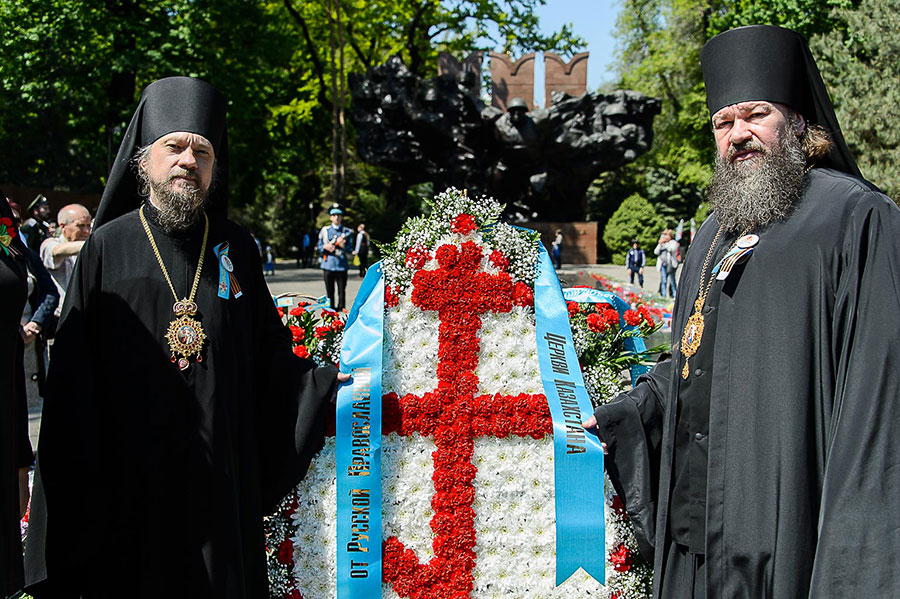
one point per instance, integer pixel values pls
(185, 335)
(693, 330)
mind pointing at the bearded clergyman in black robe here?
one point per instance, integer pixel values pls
(176, 414)
(763, 459)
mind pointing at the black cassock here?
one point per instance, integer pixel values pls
(153, 482)
(15, 448)
(803, 472)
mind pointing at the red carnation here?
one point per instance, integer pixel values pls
(296, 311)
(391, 299)
(337, 324)
(632, 318)
(416, 257)
(301, 351)
(298, 333)
(618, 505)
(573, 308)
(463, 224)
(621, 559)
(499, 260)
(597, 323)
(285, 553)
(280, 312)
(322, 332)
(522, 295)
(611, 317)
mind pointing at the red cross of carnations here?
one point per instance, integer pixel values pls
(454, 415)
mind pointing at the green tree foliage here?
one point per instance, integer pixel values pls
(659, 55)
(806, 17)
(73, 69)
(672, 199)
(860, 64)
(635, 219)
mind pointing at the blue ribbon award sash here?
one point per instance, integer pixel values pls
(577, 454)
(227, 281)
(358, 445)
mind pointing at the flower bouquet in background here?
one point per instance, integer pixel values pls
(599, 333)
(318, 331)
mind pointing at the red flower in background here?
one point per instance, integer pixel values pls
(632, 318)
(621, 559)
(573, 308)
(597, 323)
(297, 332)
(301, 351)
(285, 552)
(618, 506)
(463, 224)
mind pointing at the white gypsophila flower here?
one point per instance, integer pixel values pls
(519, 249)
(453, 202)
(602, 384)
(581, 337)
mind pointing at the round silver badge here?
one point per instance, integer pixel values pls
(747, 241)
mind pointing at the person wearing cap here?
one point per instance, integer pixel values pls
(763, 459)
(36, 227)
(335, 245)
(176, 415)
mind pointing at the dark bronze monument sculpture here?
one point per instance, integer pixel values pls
(540, 162)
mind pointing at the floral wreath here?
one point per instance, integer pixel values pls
(463, 401)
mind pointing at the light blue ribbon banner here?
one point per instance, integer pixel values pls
(595, 296)
(577, 453)
(358, 440)
(227, 282)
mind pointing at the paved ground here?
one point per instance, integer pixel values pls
(309, 281)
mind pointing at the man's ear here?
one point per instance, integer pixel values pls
(799, 124)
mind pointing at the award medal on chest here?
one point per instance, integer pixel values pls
(185, 334)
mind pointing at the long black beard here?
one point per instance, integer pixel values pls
(760, 191)
(176, 210)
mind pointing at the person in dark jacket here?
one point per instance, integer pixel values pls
(635, 260)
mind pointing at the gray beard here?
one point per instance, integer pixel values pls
(176, 210)
(760, 191)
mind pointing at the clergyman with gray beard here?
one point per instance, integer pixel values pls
(763, 459)
(176, 415)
